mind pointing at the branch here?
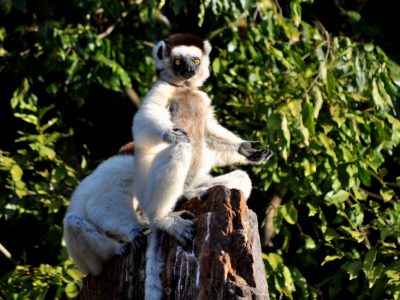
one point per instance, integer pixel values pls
(6, 253)
(131, 93)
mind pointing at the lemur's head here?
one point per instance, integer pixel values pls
(183, 59)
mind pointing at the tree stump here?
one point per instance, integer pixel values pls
(223, 262)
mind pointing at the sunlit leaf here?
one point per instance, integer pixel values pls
(289, 212)
(353, 268)
(337, 197)
(329, 258)
(369, 259)
(387, 193)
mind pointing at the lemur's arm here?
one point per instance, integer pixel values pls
(229, 148)
(152, 125)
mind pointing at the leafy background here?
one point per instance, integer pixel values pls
(309, 79)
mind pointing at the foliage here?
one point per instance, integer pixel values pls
(46, 281)
(327, 105)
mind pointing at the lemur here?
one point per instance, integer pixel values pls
(177, 143)
(102, 218)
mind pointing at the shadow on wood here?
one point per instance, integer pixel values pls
(224, 261)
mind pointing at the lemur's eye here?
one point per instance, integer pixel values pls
(177, 62)
(197, 61)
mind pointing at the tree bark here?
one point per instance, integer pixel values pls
(223, 262)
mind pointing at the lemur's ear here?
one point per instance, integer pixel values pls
(207, 47)
(158, 50)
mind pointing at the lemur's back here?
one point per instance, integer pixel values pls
(116, 171)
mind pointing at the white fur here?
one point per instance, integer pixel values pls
(101, 214)
(154, 264)
(187, 51)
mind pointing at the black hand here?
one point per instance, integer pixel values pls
(175, 136)
(254, 155)
(261, 155)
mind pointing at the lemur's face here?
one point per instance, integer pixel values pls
(183, 59)
(186, 61)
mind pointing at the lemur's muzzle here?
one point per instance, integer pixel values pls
(186, 69)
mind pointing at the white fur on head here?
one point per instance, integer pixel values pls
(160, 46)
(187, 51)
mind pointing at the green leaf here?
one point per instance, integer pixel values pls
(308, 117)
(374, 274)
(295, 11)
(387, 193)
(32, 119)
(353, 268)
(353, 15)
(16, 172)
(274, 260)
(310, 166)
(289, 284)
(71, 290)
(312, 209)
(75, 274)
(289, 212)
(301, 282)
(355, 234)
(369, 260)
(318, 102)
(376, 96)
(280, 57)
(286, 136)
(309, 242)
(333, 197)
(328, 144)
(329, 258)
(216, 66)
(330, 84)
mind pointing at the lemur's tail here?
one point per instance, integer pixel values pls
(154, 266)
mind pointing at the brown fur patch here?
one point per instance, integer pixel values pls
(183, 39)
(188, 112)
(127, 149)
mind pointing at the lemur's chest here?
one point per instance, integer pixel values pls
(188, 110)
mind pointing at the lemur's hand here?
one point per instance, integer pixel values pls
(175, 136)
(256, 156)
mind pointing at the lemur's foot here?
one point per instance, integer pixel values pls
(182, 226)
(123, 249)
(137, 237)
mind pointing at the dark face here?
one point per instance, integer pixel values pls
(185, 67)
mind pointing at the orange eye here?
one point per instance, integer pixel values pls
(197, 61)
(177, 62)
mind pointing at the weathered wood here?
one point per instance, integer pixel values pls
(223, 262)
(122, 278)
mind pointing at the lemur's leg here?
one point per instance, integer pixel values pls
(234, 180)
(89, 247)
(114, 214)
(164, 185)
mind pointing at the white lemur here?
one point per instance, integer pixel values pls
(102, 217)
(177, 143)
